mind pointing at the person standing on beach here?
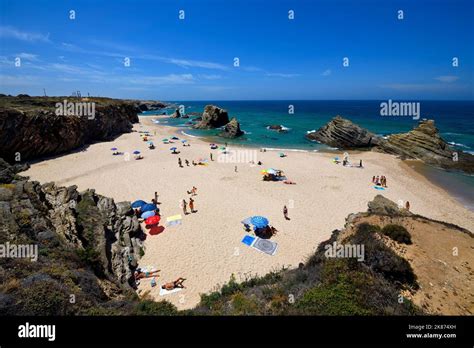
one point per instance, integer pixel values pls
(210, 155)
(180, 163)
(373, 179)
(407, 205)
(184, 205)
(187, 162)
(360, 163)
(235, 169)
(285, 212)
(191, 205)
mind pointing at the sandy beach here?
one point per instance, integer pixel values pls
(206, 248)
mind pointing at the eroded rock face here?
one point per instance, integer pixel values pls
(424, 143)
(106, 234)
(232, 129)
(150, 105)
(176, 114)
(344, 134)
(30, 128)
(212, 117)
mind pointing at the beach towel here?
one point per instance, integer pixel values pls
(266, 246)
(379, 188)
(248, 240)
(174, 220)
(164, 292)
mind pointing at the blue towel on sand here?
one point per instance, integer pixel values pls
(248, 240)
(379, 188)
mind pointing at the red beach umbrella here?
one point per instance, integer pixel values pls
(152, 220)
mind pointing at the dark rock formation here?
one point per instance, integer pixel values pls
(87, 246)
(344, 134)
(231, 129)
(93, 225)
(424, 143)
(213, 117)
(176, 114)
(150, 105)
(30, 127)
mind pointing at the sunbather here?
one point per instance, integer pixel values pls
(178, 283)
(140, 275)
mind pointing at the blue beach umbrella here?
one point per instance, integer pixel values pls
(184, 141)
(148, 207)
(173, 149)
(148, 214)
(114, 149)
(138, 204)
(259, 221)
(136, 152)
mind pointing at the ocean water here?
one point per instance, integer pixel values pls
(454, 119)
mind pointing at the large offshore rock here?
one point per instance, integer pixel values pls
(424, 143)
(232, 129)
(344, 134)
(212, 117)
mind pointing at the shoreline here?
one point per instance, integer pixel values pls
(416, 167)
(206, 247)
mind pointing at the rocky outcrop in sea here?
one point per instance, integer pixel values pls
(342, 133)
(422, 143)
(231, 129)
(212, 117)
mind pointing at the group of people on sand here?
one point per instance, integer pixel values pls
(180, 163)
(379, 180)
(139, 274)
(184, 205)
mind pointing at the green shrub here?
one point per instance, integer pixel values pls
(243, 305)
(148, 307)
(397, 233)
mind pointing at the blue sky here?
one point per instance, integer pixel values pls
(193, 59)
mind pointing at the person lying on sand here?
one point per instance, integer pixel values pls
(140, 275)
(178, 283)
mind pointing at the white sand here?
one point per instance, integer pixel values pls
(206, 249)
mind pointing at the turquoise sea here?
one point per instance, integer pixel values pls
(454, 119)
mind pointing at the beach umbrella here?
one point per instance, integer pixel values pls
(138, 204)
(222, 148)
(271, 171)
(148, 214)
(149, 207)
(281, 154)
(114, 149)
(184, 141)
(136, 152)
(259, 221)
(173, 148)
(152, 220)
(164, 139)
(175, 138)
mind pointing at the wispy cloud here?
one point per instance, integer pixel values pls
(447, 78)
(28, 56)
(171, 79)
(326, 72)
(282, 75)
(13, 33)
(209, 77)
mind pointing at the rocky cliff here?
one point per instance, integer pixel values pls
(30, 127)
(88, 247)
(342, 133)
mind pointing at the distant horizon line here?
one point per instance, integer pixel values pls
(236, 100)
